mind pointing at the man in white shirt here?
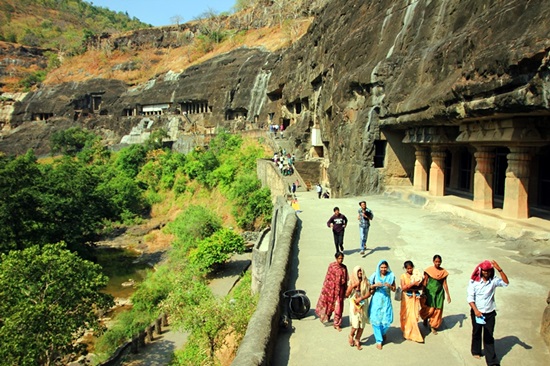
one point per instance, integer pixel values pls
(481, 297)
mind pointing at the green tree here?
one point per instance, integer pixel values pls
(20, 201)
(71, 141)
(130, 160)
(49, 298)
(73, 203)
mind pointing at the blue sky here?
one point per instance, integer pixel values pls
(159, 12)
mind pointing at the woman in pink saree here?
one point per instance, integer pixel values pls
(411, 284)
(333, 292)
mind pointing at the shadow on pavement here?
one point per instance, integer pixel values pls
(232, 268)
(373, 250)
(505, 345)
(451, 321)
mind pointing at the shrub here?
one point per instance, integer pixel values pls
(216, 249)
(194, 224)
(130, 160)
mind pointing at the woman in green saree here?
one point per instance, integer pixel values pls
(435, 289)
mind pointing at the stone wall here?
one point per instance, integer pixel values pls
(271, 177)
(259, 341)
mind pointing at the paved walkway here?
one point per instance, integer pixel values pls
(401, 231)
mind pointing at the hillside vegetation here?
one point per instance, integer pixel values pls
(65, 30)
(88, 192)
(62, 25)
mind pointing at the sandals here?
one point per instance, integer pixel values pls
(358, 345)
(379, 346)
(350, 340)
(338, 328)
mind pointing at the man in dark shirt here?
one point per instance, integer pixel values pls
(337, 223)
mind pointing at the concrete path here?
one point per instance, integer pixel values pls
(401, 231)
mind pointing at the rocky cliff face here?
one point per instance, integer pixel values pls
(367, 66)
(364, 71)
(225, 91)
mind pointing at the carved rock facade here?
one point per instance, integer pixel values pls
(446, 96)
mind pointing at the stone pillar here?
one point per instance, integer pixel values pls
(420, 178)
(516, 186)
(483, 178)
(437, 172)
(158, 325)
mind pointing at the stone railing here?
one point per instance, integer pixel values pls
(271, 177)
(270, 275)
(138, 341)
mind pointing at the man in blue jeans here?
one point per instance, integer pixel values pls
(364, 216)
(481, 297)
(337, 223)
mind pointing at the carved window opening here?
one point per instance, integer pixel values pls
(41, 116)
(286, 123)
(195, 107)
(96, 102)
(328, 114)
(379, 153)
(318, 151)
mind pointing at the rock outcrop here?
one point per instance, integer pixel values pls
(369, 66)
(366, 72)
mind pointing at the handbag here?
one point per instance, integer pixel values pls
(398, 294)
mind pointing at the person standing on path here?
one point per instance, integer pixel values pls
(411, 284)
(333, 292)
(481, 297)
(435, 289)
(293, 189)
(319, 190)
(380, 307)
(364, 216)
(337, 223)
(358, 293)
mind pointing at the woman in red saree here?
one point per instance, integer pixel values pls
(411, 284)
(435, 289)
(333, 292)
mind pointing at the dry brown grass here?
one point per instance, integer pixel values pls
(154, 62)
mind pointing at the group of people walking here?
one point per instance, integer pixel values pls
(338, 223)
(421, 295)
